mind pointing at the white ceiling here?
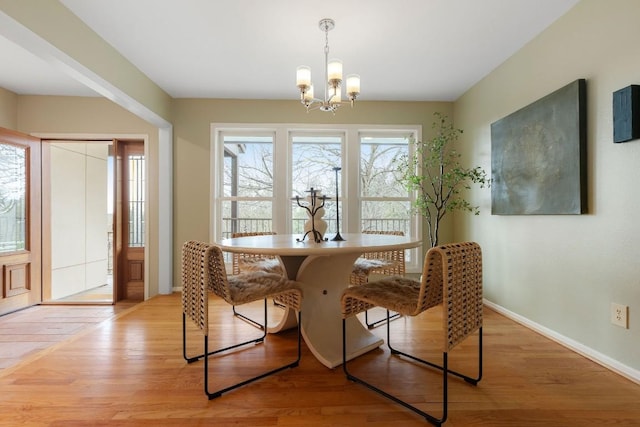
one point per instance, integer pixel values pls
(413, 50)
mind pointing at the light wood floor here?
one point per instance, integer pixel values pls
(27, 332)
(128, 370)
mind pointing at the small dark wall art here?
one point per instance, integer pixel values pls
(626, 114)
(538, 156)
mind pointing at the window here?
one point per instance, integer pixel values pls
(313, 158)
(136, 200)
(247, 183)
(258, 170)
(384, 200)
(13, 196)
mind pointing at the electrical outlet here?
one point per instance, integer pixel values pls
(620, 315)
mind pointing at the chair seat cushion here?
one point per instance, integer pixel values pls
(365, 265)
(394, 293)
(257, 285)
(269, 265)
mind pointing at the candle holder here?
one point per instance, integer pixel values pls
(337, 237)
(312, 209)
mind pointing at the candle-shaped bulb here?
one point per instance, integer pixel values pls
(303, 76)
(308, 95)
(353, 84)
(334, 69)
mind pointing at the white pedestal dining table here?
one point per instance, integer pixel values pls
(323, 269)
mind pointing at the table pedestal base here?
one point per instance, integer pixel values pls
(323, 279)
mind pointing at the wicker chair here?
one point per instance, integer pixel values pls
(203, 271)
(452, 276)
(386, 263)
(244, 262)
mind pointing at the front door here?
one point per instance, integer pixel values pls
(20, 224)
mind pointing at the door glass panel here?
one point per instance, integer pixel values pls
(136, 200)
(13, 192)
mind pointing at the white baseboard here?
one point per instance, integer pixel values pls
(604, 360)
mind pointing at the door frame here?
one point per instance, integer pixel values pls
(46, 264)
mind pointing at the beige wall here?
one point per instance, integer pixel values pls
(562, 272)
(8, 109)
(192, 119)
(559, 272)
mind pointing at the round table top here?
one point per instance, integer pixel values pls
(286, 244)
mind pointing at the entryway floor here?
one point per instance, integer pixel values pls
(101, 294)
(27, 332)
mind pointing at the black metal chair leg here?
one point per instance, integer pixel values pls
(251, 321)
(430, 418)
(444, 368)
(215, 394)
(247, 319)
(191, 359)
(184, 341)
(470, 380)
(377, 322)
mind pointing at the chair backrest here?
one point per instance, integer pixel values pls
(453, 275)
(238, 258)
(203, 271)
(195, 301)
(215, 274)
(395, 257)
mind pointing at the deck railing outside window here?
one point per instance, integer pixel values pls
(265, 224)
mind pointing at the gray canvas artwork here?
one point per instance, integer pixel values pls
(538, 158)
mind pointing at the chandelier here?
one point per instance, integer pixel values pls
(333, 78)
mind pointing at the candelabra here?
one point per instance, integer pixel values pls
(312, 209)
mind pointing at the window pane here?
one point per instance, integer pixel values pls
(13, 192)
(385, 203)
(377, 173)
(243, 216)
(248, 166)
(386, 216)
(314, 158)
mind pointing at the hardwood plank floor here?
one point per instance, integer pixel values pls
(129, 371)
(27, 332)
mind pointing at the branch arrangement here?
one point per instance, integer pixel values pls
(434, 172)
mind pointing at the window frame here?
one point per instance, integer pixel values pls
(282, 187)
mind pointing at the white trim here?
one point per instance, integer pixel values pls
(350, 135)
(602, 359)
(165, 210)
(165, 203)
